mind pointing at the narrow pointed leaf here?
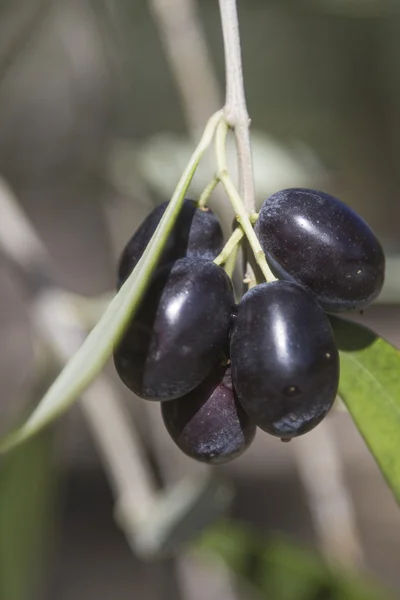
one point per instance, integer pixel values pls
(370, 387)
(98, 346)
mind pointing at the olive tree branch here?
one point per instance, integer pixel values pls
(235, 110)
(320, 467)
(188, 57)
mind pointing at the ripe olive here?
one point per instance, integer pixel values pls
(285, 364)
(179, 332)
(196, 233)
(208, 424)
(316, 240)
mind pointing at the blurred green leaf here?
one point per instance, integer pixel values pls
(370, 387)
(280, 569)
(26, 516)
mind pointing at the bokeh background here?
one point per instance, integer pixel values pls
(94, 133)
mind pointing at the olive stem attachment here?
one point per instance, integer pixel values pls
(230, 264)
(206, 193)
(230, 246)
(253, 217)
(236, 201)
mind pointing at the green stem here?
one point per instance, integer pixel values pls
(229, 246)
(93, 354)
(253, 217)
(236, 201)
(206, 193)
(230, 264)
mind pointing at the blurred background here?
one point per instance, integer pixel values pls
(100, 103)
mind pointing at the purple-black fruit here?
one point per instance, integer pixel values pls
(196, 233)
(179, 332)
(315, 240)
(285, 364)
(208, 424)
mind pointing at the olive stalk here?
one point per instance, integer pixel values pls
(206, 193)
(229, 247)
(236, 201)
(229, 266)
(253, 217)
(235, 109)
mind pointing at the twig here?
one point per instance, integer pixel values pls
(230, 264)
(229, 246)
(241, 213)
(206, 193)
(188, 57)
(320, 469)
(235, 110)
(56, 321)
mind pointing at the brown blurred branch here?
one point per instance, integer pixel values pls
(319, 464)
(57, 322)
(184, 41)
(149, 519)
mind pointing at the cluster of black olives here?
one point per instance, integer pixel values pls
(220, 369)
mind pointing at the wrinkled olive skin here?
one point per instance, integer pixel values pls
(285, 364)
(315, 240)
(179, 332)
(208, 424)
(196, 233)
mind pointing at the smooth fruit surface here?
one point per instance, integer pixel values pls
(196, 233)
(315, 240)
(208, 424)
(179, 331)
(285, 364)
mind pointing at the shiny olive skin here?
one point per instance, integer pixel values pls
(285, 364)
(208, 424)
(196, 233)
(313, 239)
(179, 332)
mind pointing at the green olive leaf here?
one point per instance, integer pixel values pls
(92, 355)
(370, 387)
